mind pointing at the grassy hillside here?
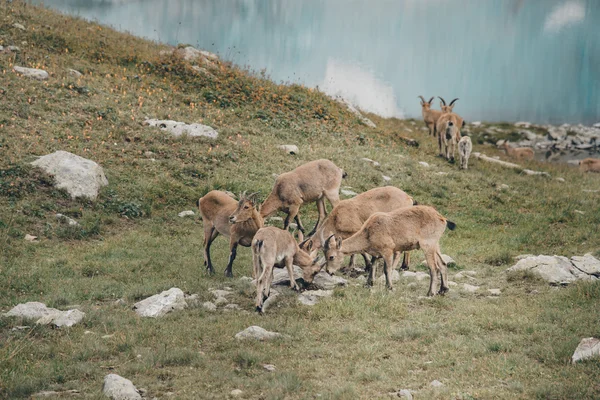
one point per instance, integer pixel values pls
(131, 244)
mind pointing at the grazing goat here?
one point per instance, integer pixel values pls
(429, 116)
(589, 165)
(386, 234)
(349, 216)
(238, 220)
(309, 182)
(520, 153)
(464, 151)
(272, 247)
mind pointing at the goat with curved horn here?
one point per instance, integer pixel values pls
(422, 99)
(452, 102)
(429, 116)
(443, 101)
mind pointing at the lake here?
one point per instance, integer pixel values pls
(507, 60)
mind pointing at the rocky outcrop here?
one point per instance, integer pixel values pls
(79, 176)
(181, 128)
(558, 270)
(161, 304)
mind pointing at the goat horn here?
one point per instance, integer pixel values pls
(422, 99)
(452, 102)
(443, 101)
(431, 99)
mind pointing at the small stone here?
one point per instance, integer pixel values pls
(119, 388)
(441, 173)
(386, 178)
(220, 300)
(69, 221)
(161, 304)
(289, 148)
(180, 128)
(470, 288)
(372, 162)
(349, 193)
(587, 348)
(220, 293)
(476, 123)
(30, 238)
(88, 333)
(236, 393)
(148, 153)
(269, 367)
(436, 384)
(421, 276)
(120, 302)
(311, 297)
(232, 306)
(187, 213)
(256, 333)
(74, 73)
(579, 212)
(325, 281)
(503, 186)
(405, 394)
(245, 279)
(561, 179)
(108, 336)
(15, 49)
(208, 306)
(495, 292)
(424, 164)
(34, 73)
(192, 300)
(409, 274)
(18, 26)
(395, 277)
(62, 318)
(452, 284)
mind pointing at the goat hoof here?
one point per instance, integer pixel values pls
(259, 310)
(404, 268)
(228, 274)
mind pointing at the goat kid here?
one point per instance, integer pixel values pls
(589, 165)
(386, 234)
(519, 153)
(465, 146)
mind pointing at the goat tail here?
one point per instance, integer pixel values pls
(198, 203)
(415, 203)
(344, 174)
(451, 225)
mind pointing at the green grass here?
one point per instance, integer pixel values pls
(357, 344)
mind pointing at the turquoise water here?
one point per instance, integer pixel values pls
(507, 60)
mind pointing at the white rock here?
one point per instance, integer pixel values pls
(236, 393)
(119, 388)
(190, 53)
(523, 124)
(372, 162)
(1, 49)
(108, 336)
(69, 221)
(476, 123)
(30, 238)
(30, 310)
(405, 394)
(161, 304)
(324, 281)
(441, 173)
(495, 292)
(395, 276)
(256, 333)
(187, 213)
(245, 279)
(13, 48)
(424, 164)
(409, 274)
(34, 73)
(18, 26)
(556, 270)
(289, 148)
(386, 178)
(421, 275)
(311, 297)
(231, 306)
(503, 186)
(436, 384)
(447, 259)
(281, 277)
(269, 367)
(208, 306)
(588, 264)
(220, 301)
(61, 318)
(180, 128)
(561, 179)
(201, 70)
(74, 73)
(220, 293)
(79, 176)
(596, 125)
(452, 284)
(347, 192)
(579, 212)
(470, 288)
(355, 111)
(588, 348)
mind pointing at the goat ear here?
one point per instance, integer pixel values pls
(338, 242)
(309, 246)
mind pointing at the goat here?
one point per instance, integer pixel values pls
(589, 165)
(430, 116)
(520, 153)
(464, 151)
(448, 128)
(272, 247)
(238, 220)
(386, 234)
(349, 215)
(449, 109)
(307, 183)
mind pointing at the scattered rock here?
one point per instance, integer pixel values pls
(33, 73)
(256, 333)
(69, 221)
(236, 393)
(108, 336)
(30, 238)
(587, 348)
(192, 300)
(311, 297)
(220, 301)
(289, 148)
(269, 367)
(245, 279)
(119, 388)
(424, 164)
(208, 306)
(523, 124)
(187, 213)
(579, 212)
(324, 281)
(281, 277)
(30, 310)
(452, 284)
(62, 318)
(20, 328)
(232, 306)
(220, 293)
(161, 304)
(190, 53)
(120, 302)
(476, 123)
(74, 73)
(405, 394)
(561, 179)
(79, 176)
(441, 173)
(18, 26)
(409, 274)
(436, 384)
(503, 187)
(446, 258)
(558, 270)
(355, 111)
(421, 275)
(372, 162)
(347, 192)
(470, 288)
(1, 49)
(52, 393)
(15, 49)
(495, 292)
(386, 178)
(180, 128)
(395, 276)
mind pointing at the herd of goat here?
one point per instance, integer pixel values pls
(379, 223)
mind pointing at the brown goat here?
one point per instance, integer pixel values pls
(237, 220)
(448, 128)
(430, 117)
(349, 216)
(274, 247)
(520, 153)
(589, 165)
(386, 234)
(309, 182)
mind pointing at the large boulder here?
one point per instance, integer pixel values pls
(558, 270)
(79, 176)
(161, 304)
(118, 388)
(181, 128)
(33, 73)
